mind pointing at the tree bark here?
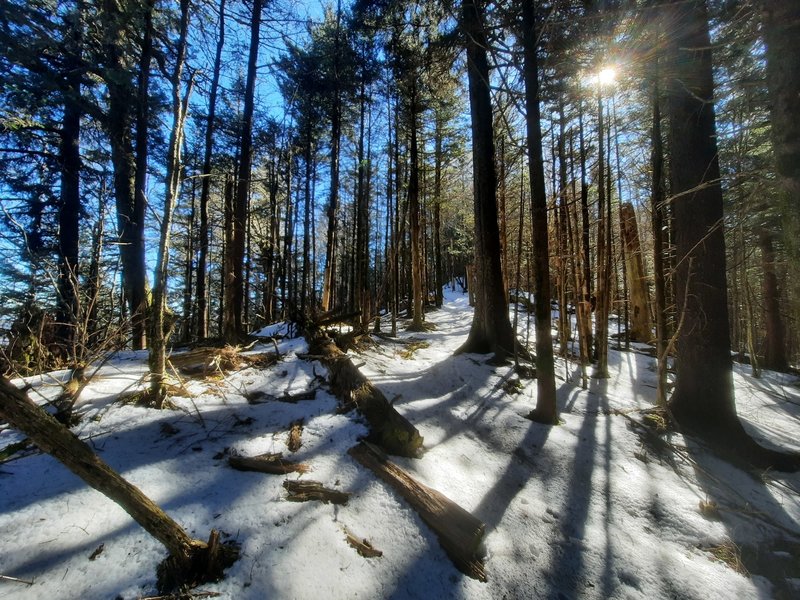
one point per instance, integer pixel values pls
(161, 330)
(704, 395)
(603, 249)
(545, 411)
(205, 190)
(56, 440)
(234, 297)
(658, 223)
(775, 357)
(640, 326)
(119, 126)
(417, 265)
(491, 329)
(781, 19)
(69, 210)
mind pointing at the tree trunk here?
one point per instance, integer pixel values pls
(69, 210)
(774, 339)
(417, 265)
(586, 250)
(564, 326)
(640, 326)
(491, 329)
(234, 297)
(703, 394)
(782, 36)
(205, 190)
(437, 210)
(160, 329)
(142, 147)
(361, 291)
(188, 273)
(545, 411)
(119, 126)
(53, 438)
(658, 223)
(603, 249)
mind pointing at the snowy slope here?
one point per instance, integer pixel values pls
(582, 510)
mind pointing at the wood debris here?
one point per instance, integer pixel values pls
(459, 532)
(295, 432)
(363, 546)
(272, 464)
(303, 491)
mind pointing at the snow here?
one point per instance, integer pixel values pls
(582, 510)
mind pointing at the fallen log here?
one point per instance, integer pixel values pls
(190, 561)
(259, 397)
(459, 532)
(388, 428)
(272, 464)
(303, 491)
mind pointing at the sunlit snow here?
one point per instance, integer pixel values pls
(582, 510)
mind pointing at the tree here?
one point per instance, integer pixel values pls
(190, 562)
(118, 19)
(205, 190)
(782, 36)
(234, 255)
(160, 328)
(703, 400)
(545, 411)
(491, 328)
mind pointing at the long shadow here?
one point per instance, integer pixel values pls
(766, 536)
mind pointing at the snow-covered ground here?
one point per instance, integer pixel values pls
(582, 510)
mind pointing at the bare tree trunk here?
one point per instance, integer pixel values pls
(361, 289)
(545, 411)
(603, 250)
(781, 20)
(586, 250)
(491, 329)
(564, 327)
(130, 211)
(69, 210)
(640, 327)
(160, 329)
(417, 265)
(234, 297)
(775, 357)
(703, 394)
(191, 557)
(658, 223)
(205, 190)
(437, 210)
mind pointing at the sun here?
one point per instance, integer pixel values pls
(607, 76)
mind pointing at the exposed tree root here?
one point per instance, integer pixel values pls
(203, 563)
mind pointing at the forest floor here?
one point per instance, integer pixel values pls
(586, 509)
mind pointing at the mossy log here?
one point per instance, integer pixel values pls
(460, 533)
(190, 561)
(303, 491)
(272, 464)
(388, 428)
